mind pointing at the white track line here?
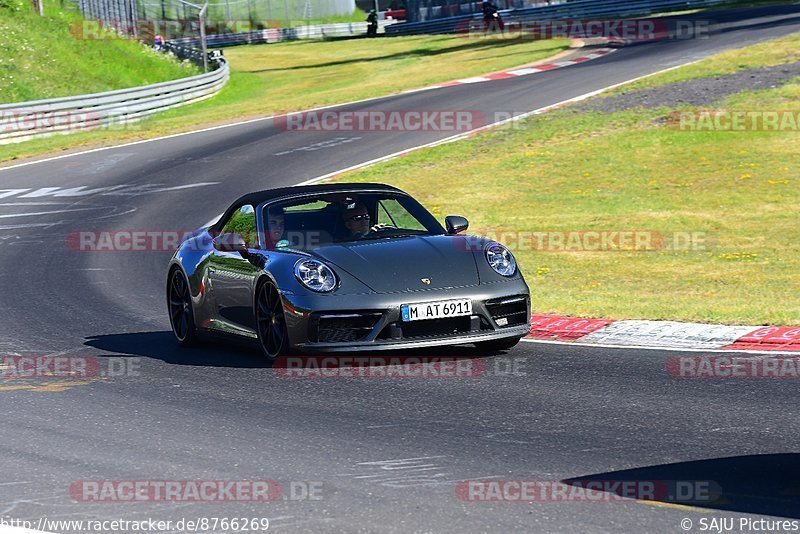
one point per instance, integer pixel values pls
(240, 123)
(519, 117)
(464, 135)
(432, 144)
(201, 130)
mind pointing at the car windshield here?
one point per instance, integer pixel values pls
(312, 221)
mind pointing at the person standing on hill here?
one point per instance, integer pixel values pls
(492, 21)
(372, 23)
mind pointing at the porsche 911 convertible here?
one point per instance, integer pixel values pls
(344, 267)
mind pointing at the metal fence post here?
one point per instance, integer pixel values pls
(203, 35)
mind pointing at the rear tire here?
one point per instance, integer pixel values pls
(179, 305)
(496, 345)
(273, 336)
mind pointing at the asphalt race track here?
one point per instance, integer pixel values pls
(387, 453)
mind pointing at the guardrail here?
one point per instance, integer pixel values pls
(276, 35)
(22, 121)
(577, 9)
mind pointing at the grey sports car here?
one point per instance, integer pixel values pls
(344, 267)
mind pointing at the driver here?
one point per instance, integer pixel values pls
(356, 220)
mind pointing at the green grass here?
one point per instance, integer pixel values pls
(356, 16)
(40, 58)
(274, 78)
(242, 22)
(279, 20)
(761, 55)
(566, 171)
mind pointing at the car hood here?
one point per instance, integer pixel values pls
(401, 263)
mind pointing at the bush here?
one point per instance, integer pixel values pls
(11, 5)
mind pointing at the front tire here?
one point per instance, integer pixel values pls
(273, 335)
(181, 313)
(497, 345)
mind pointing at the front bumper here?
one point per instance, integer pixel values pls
(371, 322)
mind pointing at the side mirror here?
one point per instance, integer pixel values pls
(455, 224)
(231, 243)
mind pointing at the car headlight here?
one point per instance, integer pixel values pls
(500, 259)
(315, 275)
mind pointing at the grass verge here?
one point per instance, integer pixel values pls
(565, 171)
(765, 54)
(275, 78)
(40, 58)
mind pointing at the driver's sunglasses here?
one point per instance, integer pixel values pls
(362, 217)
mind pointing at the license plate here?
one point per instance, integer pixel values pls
(436, 310)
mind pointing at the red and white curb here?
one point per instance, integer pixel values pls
(525, 71)
(668, 335)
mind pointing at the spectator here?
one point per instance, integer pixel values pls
(491, 18)
(372, 23)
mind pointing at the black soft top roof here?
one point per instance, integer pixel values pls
(258, 197)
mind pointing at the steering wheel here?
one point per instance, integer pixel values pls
(381, 227)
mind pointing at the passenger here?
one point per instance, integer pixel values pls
(275, 226)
